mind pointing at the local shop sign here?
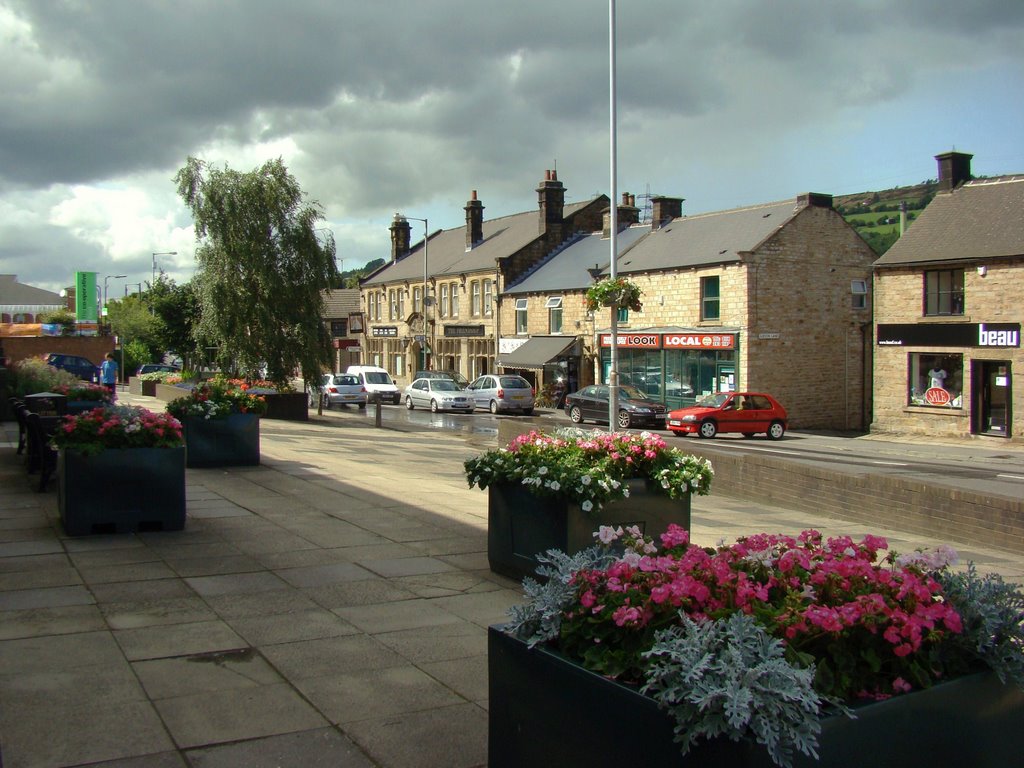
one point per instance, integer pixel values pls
(671, 340)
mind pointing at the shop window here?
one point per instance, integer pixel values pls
(521, 315)
(935, 381)
(554, 307)
(944, 292)
(710, 301)
(859, 294)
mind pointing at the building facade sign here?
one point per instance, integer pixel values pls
(384, 331)
(672, 340)
(999, 335)
(462, 331)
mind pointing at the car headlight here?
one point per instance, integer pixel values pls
(643, 410)
(689, 417)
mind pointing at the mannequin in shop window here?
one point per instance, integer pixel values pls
(937, 377)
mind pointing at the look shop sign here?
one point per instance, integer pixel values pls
(681, 340)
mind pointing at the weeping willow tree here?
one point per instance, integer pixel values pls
(262, 270)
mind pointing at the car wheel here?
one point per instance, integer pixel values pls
(408, 403)
(576, 415)
(708, 429)
(494, 406)
(362, 406)
(623, 420)
(776, 430)
(433, 406)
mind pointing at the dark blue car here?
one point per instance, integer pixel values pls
(80, 366)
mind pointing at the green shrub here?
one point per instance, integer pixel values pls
(33, 375)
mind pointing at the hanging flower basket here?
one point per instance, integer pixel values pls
(619, 292)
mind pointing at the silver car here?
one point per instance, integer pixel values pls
(499, 393)
(340, 389)
(437, 395)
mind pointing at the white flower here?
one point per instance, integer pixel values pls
(554, 485)
(586, 480)
(587, 505)
(542, 471)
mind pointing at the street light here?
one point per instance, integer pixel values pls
(426, 337)
(160, 253)
(105, 280)
(138, 289)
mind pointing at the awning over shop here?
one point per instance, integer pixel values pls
(536, 352)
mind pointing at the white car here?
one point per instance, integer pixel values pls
(437, 395)
(340, 389)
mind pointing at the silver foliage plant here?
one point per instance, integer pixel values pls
(992, 612)
(730, 678)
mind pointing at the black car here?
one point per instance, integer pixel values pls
(156, 367)
(635, 410)
(80, 366)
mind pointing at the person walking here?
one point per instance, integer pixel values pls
(108, 374)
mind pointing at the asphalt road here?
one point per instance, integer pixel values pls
(986, 465)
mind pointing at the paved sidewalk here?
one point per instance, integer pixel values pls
(327, 608)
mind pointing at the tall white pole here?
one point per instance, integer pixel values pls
(613, 372)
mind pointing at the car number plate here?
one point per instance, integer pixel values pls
(675, 422)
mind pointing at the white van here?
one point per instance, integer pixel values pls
(378, 382)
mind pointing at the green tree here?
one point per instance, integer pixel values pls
(261, 269)
(132, 320)
(177, 309)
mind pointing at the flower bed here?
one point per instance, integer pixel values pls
(117, 426)
(759, 639)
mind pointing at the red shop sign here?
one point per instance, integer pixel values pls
(633, 340)
(699, 341)
(937, 396)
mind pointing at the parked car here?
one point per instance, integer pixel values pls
(156, 367)
(635, 409)
(82, 367)
(498, 393)
(455, 376)
(378, 382)
(441, 394)
(340, 389)
(744, 412)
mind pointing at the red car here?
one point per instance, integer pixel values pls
(745, 412)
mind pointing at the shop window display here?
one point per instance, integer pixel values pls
(936, 380)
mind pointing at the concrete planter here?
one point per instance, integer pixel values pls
(230, 442)
(121, 490)
(521, 525)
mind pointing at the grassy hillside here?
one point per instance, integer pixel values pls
(876, 215)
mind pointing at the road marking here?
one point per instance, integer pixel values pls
(765, 450)
(1012, 477)
(891, 463)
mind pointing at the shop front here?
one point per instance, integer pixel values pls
(676, 367)
(947, 378)
(550, 363)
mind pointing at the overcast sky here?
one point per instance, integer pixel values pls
(408, 105)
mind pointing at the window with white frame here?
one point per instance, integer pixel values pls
(371, 305)
(521, 305)
(393, 299)
(417, 298)
(487, 297)
(455, 299)
(444, 300)
(554, 307)
(859, 293)
(474, 298)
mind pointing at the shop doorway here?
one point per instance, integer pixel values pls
(992, 397)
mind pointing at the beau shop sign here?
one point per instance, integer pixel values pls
(1000, 335)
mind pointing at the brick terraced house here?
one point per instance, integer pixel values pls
(948, 308)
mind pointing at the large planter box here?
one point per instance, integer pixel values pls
(138, 386)
(76, 407)
(230, 442)
(545, 710)
(121, 490)
(168, 392)
(290, 406)
(521, 525)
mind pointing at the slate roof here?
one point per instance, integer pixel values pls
(707, 238)
(981, 219)
(341, 302)
(447, 254)
(567, 269)
(13, 293)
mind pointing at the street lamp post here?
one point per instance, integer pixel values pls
(138, 289)
(160, 253)
(426, 277)
(105, 281)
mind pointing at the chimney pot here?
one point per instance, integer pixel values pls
(474, 221)
(954, 170)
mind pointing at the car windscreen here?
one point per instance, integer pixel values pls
(375, 377)
(714, 401)
(444, 385)
(514, 382)
(631, 393)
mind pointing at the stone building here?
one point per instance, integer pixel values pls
(344, 324)
(773, 297)
(948, 306)
(433, 305)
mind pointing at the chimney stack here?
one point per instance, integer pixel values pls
(664, 209)
(400, 237)
(474, 221)
(551, 198)
(954, 170)
(814, 200)
(628, 213)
